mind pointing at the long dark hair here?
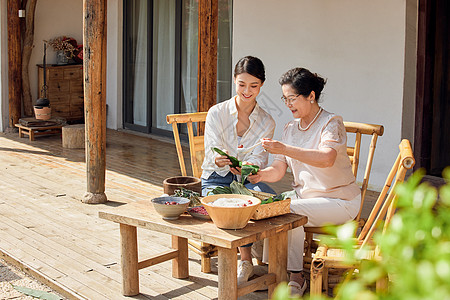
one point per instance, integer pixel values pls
(303, 81)
(251, 65)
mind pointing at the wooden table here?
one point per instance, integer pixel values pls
(141, 214)
(33, 131)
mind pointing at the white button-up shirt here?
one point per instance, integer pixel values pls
(220, 132)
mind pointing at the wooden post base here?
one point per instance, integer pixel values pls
(91, 198)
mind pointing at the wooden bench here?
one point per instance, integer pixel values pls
(33, 131)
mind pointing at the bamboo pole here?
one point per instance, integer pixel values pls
(14, 63)
(94, 65)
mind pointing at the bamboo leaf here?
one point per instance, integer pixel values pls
(247, 170)
(36, 293)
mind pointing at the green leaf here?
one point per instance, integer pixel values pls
(36, 293)
(268, 200)
(234, 161)
(220, 190)
(239, 188)
(247, 170)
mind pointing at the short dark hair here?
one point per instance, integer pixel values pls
(251, 65)
(303, 81)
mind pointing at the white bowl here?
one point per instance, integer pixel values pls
(170, 212)
(230, 217)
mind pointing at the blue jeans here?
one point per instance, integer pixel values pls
(216, 180)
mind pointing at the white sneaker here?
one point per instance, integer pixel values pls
(245, 271)
(295, 289)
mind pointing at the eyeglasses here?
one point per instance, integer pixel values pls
(289, 100)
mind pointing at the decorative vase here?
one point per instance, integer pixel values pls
(61, 58)
(42, 112)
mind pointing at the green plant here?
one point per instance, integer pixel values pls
(415, 249)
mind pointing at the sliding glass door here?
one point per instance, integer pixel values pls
(160, 61)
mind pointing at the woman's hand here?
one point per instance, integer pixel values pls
(235, 171)
(273, 147)
(254, 178)
(222, 160)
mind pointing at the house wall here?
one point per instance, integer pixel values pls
(409, 90)
(358, 45)
(53, 18)
(114, 63)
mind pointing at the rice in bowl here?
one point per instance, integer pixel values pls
(231, 202)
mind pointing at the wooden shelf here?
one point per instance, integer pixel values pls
(64, 90)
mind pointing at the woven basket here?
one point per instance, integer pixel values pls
(269, 210)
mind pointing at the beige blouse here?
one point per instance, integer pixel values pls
(327, 131)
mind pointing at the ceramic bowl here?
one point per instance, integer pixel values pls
(230, 217)
(192, 211)
(173, 211)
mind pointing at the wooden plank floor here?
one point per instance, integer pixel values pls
(49, 232)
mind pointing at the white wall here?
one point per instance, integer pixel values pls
(358, 45)
(53, 18)
(114, 63)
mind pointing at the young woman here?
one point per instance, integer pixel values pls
(235, 126)
(314, 147)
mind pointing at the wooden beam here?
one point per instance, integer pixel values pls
(26, 55)
(208, 12)
(14, 63)
(94, 65)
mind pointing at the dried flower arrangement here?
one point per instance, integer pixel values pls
(66, 44)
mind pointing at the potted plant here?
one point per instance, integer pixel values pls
(66, 49)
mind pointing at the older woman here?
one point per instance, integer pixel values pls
(313, 146)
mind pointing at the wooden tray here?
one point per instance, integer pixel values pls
(269, 210)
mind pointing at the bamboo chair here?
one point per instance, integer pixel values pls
(333, 258)
(196, 142)
(359, 129)
(197, 154)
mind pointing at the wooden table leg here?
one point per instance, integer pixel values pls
(20, 133)
(227, 273)
(180, 265)
(278, 248)
(129, 260)
(205, 259)
(31, 134)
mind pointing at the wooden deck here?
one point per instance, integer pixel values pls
(47, 231)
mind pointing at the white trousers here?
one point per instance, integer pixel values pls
(320, 211)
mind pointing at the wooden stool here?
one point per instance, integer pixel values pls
(33, 131)
(73, 136)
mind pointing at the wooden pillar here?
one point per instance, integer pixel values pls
(208, 12)
(28, 44)
(14, 63)
(94, 66)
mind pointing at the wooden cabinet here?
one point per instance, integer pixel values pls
(64, 90)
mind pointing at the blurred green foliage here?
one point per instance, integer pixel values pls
(415, 249)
